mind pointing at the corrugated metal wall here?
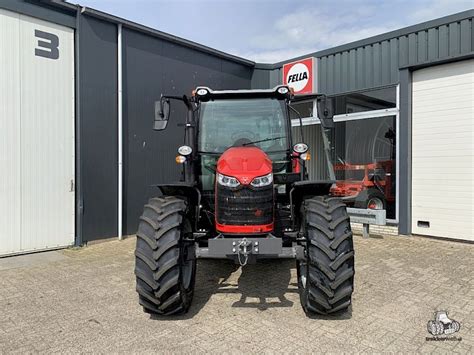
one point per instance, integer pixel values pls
(317, 166)
(98, 79)
(151, 67)
(378, 63)
(260, 79)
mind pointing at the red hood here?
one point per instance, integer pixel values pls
(244, 163)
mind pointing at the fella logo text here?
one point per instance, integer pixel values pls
(299, 76)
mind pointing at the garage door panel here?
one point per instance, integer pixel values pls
(426, 147)
(446, 110)
(461, 95)
(448, 187)
(9, 133)
(443, 75)
(440, 135)
(47, 156)
(451, 92)
(457, 189)
(442, 151)
(446, 210)
(444, 86)
(447, 119)
(433, 200)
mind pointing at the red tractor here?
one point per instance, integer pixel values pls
(365, 185)
(244, 195)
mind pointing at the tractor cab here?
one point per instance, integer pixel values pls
(240, 155)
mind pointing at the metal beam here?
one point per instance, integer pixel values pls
(405, 149)
(119, 131)
(79, 198)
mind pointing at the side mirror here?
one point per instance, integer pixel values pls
(162, 114)
(326, 112)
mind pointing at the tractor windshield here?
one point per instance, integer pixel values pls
(243, 122)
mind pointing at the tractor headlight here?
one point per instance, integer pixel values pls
(262, 180)
(228, 181)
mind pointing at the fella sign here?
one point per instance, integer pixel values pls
(300, 76)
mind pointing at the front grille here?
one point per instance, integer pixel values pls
(244, 206)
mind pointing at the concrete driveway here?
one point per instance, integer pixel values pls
(84, 300)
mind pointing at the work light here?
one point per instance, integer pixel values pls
(300, 148)
(283, 90)
(185, 150)
(202, 92)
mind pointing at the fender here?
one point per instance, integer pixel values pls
(301, 189)
(189, 191)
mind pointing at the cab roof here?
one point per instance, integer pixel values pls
(281, 92)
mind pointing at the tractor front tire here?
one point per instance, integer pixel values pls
(326, 276)
(165, 263)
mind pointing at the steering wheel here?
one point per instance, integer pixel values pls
(251, 136)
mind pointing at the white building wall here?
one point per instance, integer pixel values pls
(9, 132)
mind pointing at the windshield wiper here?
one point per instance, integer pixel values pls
(263, 140)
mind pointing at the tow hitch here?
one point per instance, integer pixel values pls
(243, 249)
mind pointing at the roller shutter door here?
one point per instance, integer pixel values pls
(442, 151)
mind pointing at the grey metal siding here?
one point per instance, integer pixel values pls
(317, 166)
(62, 16)
(153, 66)
(98, 92)
(260, 79)
(275, 77)
(378, 63)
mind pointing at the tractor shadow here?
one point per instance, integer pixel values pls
(261, 286)
(264, 285)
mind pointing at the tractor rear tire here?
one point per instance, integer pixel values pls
(326, 276)
(372, 198)
(165, 264)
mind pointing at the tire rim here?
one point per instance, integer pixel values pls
(302, 273)
(375, 203)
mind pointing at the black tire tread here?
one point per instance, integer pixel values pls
(330, 253)
(157, 267)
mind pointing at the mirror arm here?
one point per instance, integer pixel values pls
(299, 118)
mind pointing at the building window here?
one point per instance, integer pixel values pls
(363, 153)
(378, 99)
(363, 147)
(305, 109)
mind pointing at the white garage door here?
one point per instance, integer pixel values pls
(36, 134)
(443, 150)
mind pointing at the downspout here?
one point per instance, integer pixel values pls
(119, 131)
(77, 127)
